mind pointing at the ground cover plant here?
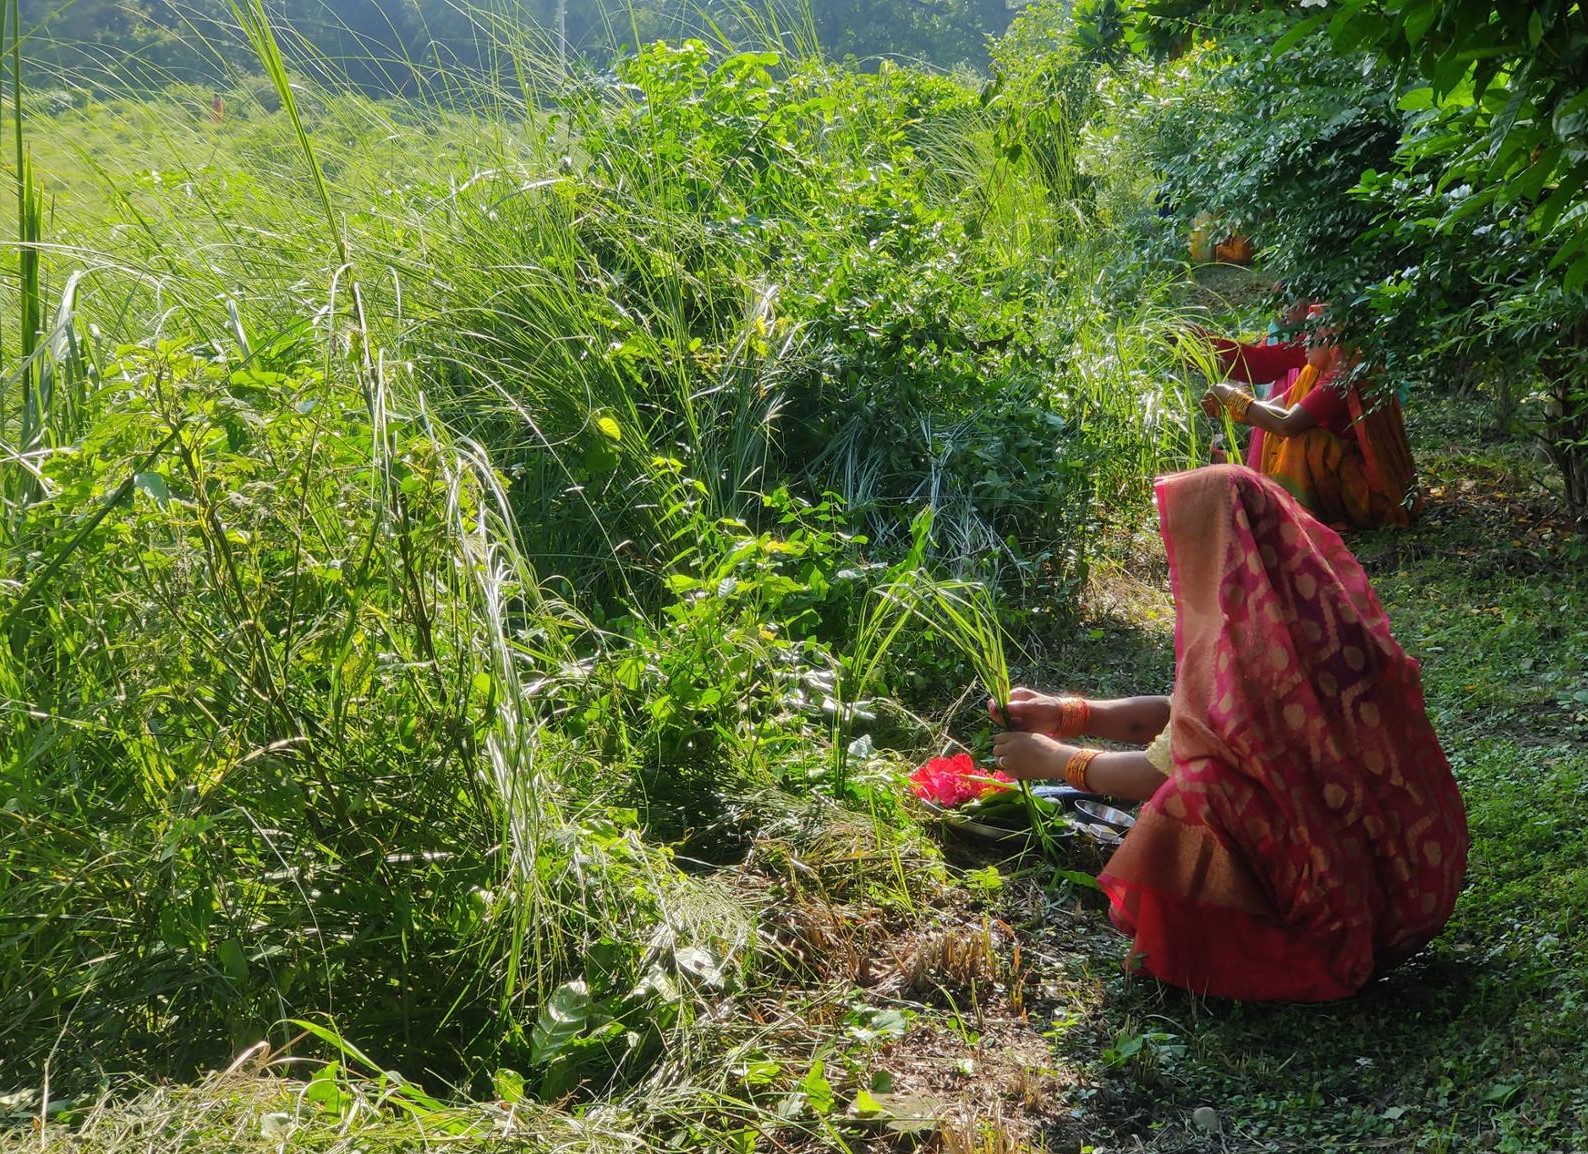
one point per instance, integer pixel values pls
(478, 573)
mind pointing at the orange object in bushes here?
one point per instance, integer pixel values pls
(1234, 249)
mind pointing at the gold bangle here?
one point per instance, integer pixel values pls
(1236, 405)
(1075, 769)
(1075, 713)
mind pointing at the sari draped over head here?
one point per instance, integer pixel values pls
(1310, 833)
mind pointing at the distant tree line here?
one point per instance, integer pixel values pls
(399, 46)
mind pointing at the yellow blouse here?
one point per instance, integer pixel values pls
(1158, 752)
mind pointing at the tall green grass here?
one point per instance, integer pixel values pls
(454, 504)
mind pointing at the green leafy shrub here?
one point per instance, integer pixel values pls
(366, 649)
(745, 264)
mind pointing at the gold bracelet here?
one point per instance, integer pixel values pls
(1237, 404)
(1075, 768)
(1075, 713)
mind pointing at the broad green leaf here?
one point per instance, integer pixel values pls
(1531, 181)
(1297, 34)
(325, 1090)
(508, 1085)
(1418, 20)
(1348, 30)
(1501, 1093)
(153, 484)
(1448, 73)
(1077, 878)
(1416, 99)
(233, 962)
(600, 458)
(1576, 275)
(865, 1106)
(1501, 133)
(1571, 115)
(610, 428)
(1574, 243)
(818, 1090)
(760, 1072)
(629, 671)
(891, 1023)
(562, 1018)
(1565, 195)
(750, 60)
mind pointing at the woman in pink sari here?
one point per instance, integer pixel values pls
(1301, 829)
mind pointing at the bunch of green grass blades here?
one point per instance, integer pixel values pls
(965, 614)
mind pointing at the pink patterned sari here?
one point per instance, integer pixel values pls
(1310, 834)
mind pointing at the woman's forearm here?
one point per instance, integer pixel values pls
(1276, 419)
(1132, 720)
(1127, 775)
(1026, 756)
(1257, 364)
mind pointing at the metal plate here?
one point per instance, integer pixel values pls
(1085, 814)
(969, 825)
(1119, 820)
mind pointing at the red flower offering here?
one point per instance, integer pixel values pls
(952, 781)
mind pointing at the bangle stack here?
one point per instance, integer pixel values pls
(1075, 713)
(1075, 768)
(1236, 403)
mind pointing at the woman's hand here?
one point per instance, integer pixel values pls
(1030, 755)
(1231, 399)
(1029, 711)
(1222, 396)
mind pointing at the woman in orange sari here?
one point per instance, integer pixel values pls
(1301, 830)
(1348, 462)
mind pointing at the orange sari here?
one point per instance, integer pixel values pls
(1311, 833)
(1364, 478)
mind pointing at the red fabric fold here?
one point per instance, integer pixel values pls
(1218, 952)
(1259, 364)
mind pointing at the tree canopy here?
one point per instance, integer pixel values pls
(1421, 166)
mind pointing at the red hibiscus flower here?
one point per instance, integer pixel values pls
(951, 781)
